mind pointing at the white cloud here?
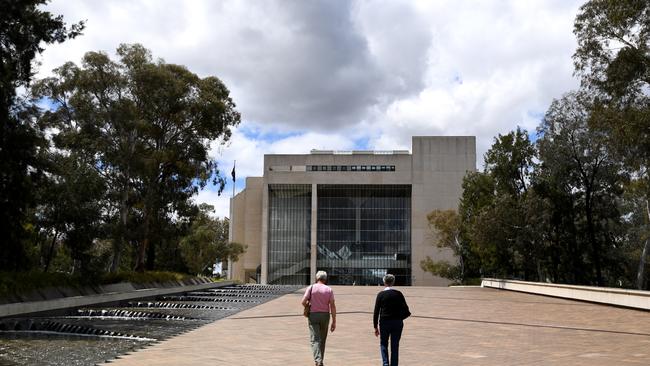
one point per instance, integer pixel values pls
(249, 154)
(323, 74)
(491, 65)
(221, 202)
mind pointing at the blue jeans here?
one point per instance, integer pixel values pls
(390, 329)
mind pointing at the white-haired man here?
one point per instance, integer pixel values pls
(320, 297)
(390, 311)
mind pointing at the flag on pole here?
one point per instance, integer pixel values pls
(233, 177)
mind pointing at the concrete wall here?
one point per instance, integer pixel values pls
(246, 224)
(603, 295)
(439, 165)
(236, 232)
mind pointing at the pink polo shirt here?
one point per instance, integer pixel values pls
(321, 295)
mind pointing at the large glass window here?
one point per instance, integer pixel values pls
(289, 234)
(364, 232)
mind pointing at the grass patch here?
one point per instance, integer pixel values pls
(12, 283)
(15, 283)
(143, 277)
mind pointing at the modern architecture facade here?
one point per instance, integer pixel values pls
(356, 214)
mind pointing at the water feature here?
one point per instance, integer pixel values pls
(92, 335)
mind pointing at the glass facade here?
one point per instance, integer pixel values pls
(289, 234)
(364, 232)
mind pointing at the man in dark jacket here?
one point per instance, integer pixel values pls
(390, 312)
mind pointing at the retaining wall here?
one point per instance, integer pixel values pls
(120, 292)
(603, 295)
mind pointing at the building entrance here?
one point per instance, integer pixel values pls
(364, 232)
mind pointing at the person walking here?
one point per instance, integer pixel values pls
(390, 311)
(320, 298)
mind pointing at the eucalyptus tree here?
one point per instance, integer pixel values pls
(70, 209)
(581, 154)
(613, 61)
(613, 54)
(558, 217)
(477, 197)
(502, 227)
(510, 161)
(207, 241)
(148, 126)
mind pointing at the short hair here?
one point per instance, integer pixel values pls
(321, 276)
(389, 279)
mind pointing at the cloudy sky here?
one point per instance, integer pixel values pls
(345, 75)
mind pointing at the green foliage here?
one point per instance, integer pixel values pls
(24, 30)
(613, 54)
(443, 269)
(553, 220)
(446, 225)
(14, 283)
(109, 186)
(509, 162)
(71, 209)
(145, 126)
(207, 241)
(492, 210)
(613, 60)
(143, 277)
(24, 282)
(582, 156)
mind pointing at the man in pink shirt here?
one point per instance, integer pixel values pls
(321, 298)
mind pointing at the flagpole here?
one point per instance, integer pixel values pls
(233, 178)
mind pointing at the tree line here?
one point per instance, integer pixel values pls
(99, 162)
(569, 202)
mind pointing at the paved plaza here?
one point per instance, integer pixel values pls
(449, 326)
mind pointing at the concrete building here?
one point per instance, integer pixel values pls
(356, 214)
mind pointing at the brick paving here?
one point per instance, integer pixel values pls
(449, 326)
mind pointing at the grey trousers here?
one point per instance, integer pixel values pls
(318, 324)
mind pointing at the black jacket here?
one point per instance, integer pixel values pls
(390, 304)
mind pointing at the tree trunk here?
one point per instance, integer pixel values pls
(124, 217)
(117, 254)
(151, 254)
(461, 262)
(640, 276)
(595, 247)
(148, 210)
(140, 264)
(575, 261)
(50, 253)
(129, 138)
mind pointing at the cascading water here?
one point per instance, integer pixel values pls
(92, 335)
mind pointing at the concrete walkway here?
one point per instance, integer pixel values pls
(449, 326)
